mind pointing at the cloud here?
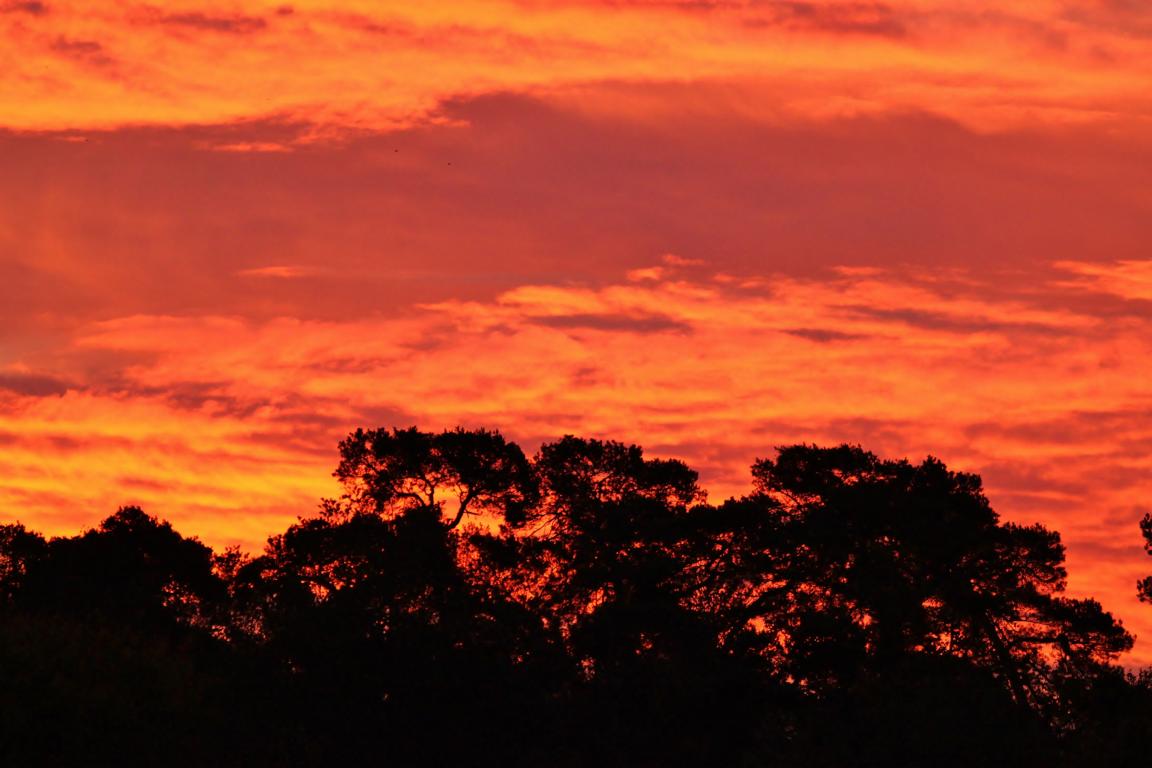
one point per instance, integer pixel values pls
(251, 146)
(32, 385)
(500, 265)
(88, 52)
(227, 415)
(821, 335)
(146, 222)
(645, 323)
(933, 319)
(30, 7)
(1129, 279)
(200, 62)
(879, 19)
(232, 24)
(281, 272)
(1122, 17)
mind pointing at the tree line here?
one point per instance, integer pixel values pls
(465, 604)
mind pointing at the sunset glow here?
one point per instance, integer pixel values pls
(230, 233)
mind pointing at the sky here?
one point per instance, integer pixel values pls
(231, 233)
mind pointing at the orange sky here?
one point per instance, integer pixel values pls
(229, 233)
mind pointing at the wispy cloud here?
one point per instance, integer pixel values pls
(234, 421)
(1128, 279)
(231, 24)
(283, 272)
(335, 63)
(30, 7)
(89, 52)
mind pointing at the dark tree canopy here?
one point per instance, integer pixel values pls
(1144, 588)
(916, 559)
(475, 471)
(465, 604)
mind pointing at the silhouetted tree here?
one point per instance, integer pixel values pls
(868, 563)
(601, 557)
(20, 549)
(1144, 587)
(918, 558)
(848, 611)
(477, 471)
(108, 654)
(133, 567)
(374, 615)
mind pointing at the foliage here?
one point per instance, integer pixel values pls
(595, 610)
